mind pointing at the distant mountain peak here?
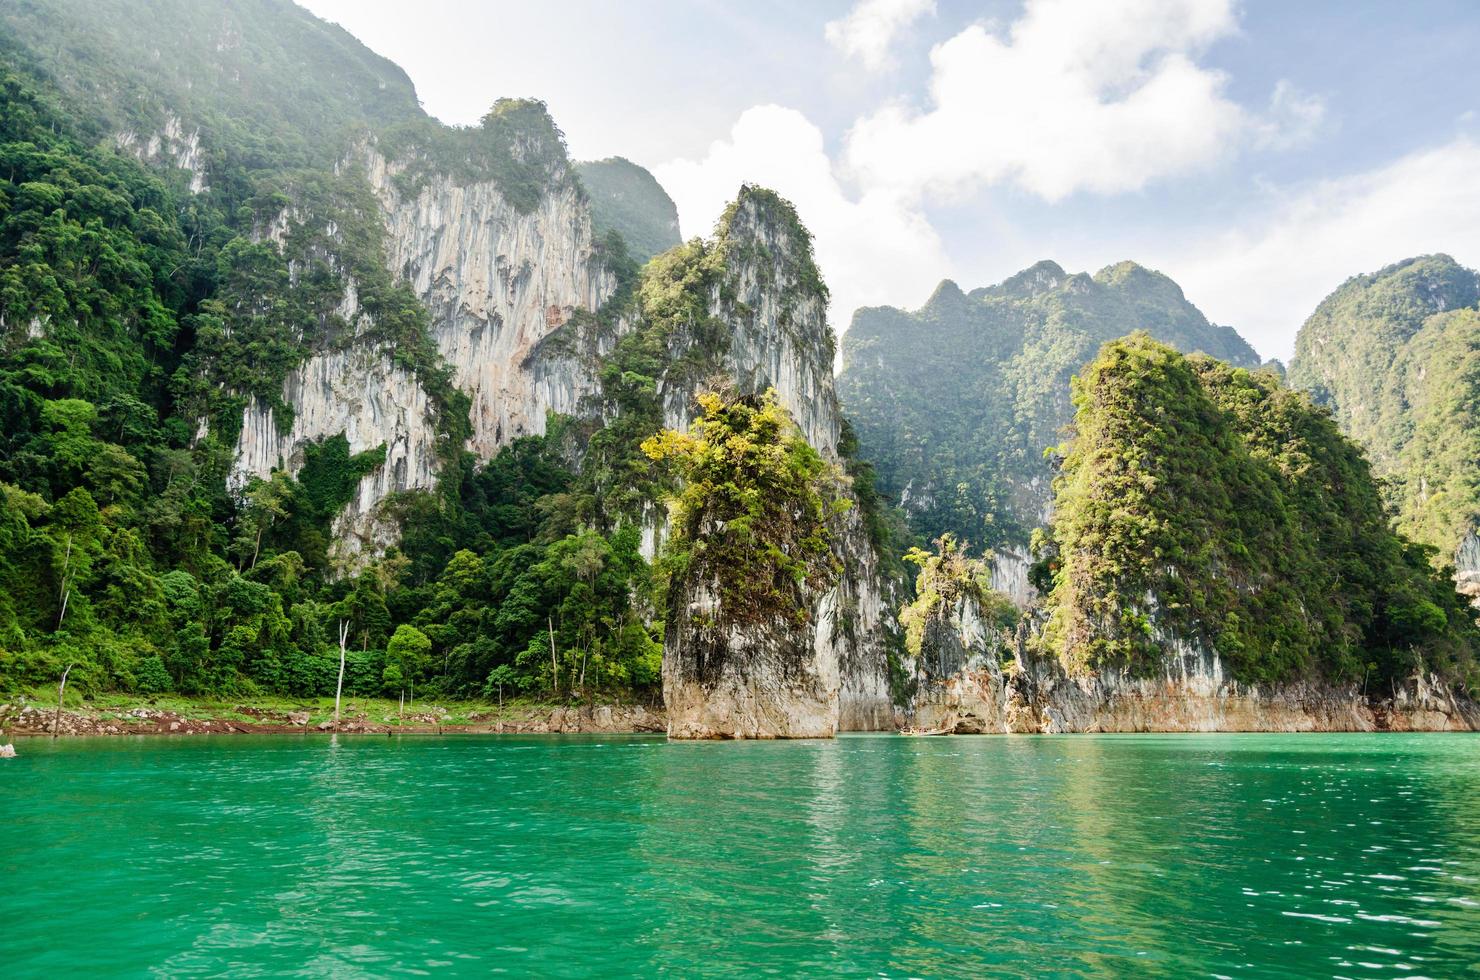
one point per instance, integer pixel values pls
(627, 199)
(947, 294)
(1041, 277)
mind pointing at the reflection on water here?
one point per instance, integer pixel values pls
(1328, 855)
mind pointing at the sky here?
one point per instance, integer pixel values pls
(1258, 152)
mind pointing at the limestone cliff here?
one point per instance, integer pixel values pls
(1219, 551)
(360, 393)
(766, 329)
(767, 295)
(974, 680)
(497, 280)
(170, 147)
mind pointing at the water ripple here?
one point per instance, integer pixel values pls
(1342, 855)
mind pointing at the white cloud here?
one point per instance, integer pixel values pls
(871, 249)
(870, 28)
(1267, 278)
(1074, 96)
(1294, 117)
(1078, 95)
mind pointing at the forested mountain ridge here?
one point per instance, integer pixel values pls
(281, 353)
(1396, 356)
(956, 402)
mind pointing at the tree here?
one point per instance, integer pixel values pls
(407, 656)
(755, 505)
(266, 503)
(339, 684)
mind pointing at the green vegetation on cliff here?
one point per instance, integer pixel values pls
(173, 241)
(1209, 506)
(753, 510)
(1396, 356)
(947, 576)
(956, 402)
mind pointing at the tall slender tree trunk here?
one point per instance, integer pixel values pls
(554, 664)
(66, 585)
(339, 688)
(56, 723)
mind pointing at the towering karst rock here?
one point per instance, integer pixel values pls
(956, 402)
(1396, 356)
(749, 307)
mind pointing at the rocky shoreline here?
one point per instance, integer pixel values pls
(971, 702)
(35, 720)
(972, 679)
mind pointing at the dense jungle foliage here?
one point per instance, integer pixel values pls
(1396, 356)
(948, 575)
(955, 403)
(133, 306)
(1212, 506)
(753, 512)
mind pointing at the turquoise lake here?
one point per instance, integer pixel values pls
(1179, 855)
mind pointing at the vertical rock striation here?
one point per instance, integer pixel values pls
(361, 393)
(498, 281)
(170, 147)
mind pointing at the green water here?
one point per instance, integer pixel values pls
(1254, 855)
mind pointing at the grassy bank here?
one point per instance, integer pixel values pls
(33, 712)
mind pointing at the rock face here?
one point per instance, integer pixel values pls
(770, 681)
(1010, 575)
(362, 394)
(497, 282)
(1467, 567)
(761, 682)
(170, 147)
(965, 685)
(776, 312)
(959, 683)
